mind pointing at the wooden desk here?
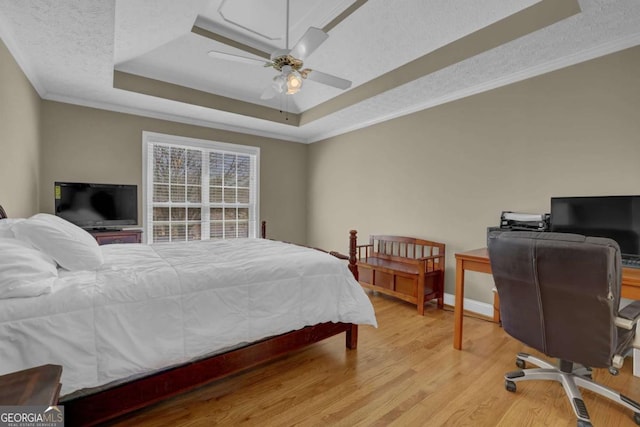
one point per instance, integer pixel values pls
(478, 260)
(35, 386)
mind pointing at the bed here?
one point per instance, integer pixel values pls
(156, 320)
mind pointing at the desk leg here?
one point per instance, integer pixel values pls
(458, 311)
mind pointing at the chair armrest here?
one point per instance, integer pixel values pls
(631, 312)
(628, 316)
(625, 323)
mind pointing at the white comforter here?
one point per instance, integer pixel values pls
(150, 307)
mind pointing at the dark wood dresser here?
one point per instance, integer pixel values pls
(108, 237)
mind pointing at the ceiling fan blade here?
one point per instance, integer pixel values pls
(311, 40)
(236, 58)
(328, 79)
(199, 30)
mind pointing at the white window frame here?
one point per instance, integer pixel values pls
(185, 142)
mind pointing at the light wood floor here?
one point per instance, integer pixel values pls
(405, 373)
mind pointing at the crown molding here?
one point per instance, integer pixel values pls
(524, 22)
(567, 61)
(598, 51)
(171, 117)
(175, 92)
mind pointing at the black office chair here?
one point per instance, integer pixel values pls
(559, 293)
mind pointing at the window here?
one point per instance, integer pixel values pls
(198, 190)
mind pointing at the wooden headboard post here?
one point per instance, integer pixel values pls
(353, 260)
(3, 214)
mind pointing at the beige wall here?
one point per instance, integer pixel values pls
(19, 139)
(89, 145)
(447, 173)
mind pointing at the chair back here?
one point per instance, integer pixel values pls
(559, 293)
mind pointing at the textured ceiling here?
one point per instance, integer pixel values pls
(402, 56)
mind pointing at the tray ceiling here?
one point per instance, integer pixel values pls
(152, 57)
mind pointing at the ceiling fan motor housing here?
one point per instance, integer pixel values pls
(283, 60)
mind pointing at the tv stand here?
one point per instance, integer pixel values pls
(108, 236)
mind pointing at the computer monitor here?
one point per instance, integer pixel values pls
(615, 217)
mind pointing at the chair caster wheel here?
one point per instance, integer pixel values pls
(521, 363)
(582, 423)
(636, 418)
(510, 386)
(613, 371)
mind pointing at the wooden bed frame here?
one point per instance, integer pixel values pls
(124, 398)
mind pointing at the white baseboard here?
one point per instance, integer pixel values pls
(471, 305)
(487, 310)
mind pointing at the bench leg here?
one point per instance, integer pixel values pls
(441, 291)
(421, 295)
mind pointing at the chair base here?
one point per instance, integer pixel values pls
(579, 376)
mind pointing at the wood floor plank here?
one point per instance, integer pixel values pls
(405, 373)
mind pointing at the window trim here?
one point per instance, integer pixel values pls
(161, 138)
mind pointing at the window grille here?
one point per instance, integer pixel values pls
(198, 190)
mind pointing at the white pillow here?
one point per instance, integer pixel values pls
(24, 271)
(69, 245)
(5, 226)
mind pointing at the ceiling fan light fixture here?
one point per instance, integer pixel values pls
(290, 63)
(294, 82)
(279, 83)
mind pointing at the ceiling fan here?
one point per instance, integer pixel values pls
(289, 63)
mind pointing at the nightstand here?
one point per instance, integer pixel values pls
(35, 386)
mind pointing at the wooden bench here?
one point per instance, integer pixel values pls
(404, 267)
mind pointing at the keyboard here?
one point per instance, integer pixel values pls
(631, 261)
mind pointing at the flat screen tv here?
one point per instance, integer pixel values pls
(97, 205)
(615, 217)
